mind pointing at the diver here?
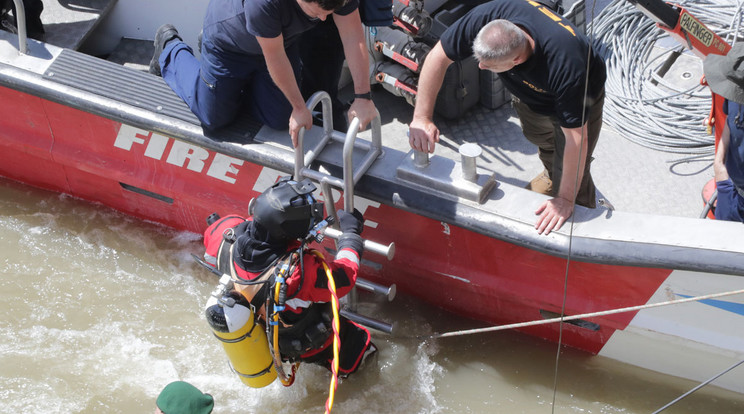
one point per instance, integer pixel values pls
(274, 237)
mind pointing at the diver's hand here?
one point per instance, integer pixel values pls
(351, 222)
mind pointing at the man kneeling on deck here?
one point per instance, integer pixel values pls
(250, 54)
(725, 76)
(275, 235)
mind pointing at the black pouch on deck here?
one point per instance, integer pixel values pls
(460, 89)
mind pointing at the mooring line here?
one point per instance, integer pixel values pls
(701, 385)
(581, 316)
(577, 185)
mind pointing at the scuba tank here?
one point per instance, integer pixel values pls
(234, 323)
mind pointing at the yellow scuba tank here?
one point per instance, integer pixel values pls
(233, 322)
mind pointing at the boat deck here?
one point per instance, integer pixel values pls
(628, 176)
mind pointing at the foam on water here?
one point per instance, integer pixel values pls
(111, 309)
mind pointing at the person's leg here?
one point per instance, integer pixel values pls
(539, 130)
(207, 87)
(322, 55)
(266, 101)
(356, 348)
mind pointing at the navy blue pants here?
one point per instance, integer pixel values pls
(224, 84)
(322, 54)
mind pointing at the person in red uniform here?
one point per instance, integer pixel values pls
(252, 249)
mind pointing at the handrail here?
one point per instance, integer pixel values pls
(300, 161)
(350, 177)
(20, 14)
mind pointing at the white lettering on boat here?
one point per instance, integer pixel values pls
(181, 154)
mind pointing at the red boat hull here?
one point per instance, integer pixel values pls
(178, 184)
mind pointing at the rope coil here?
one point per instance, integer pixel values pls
(664, 117)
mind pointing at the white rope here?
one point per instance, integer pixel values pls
(584, 315)
(701, 385)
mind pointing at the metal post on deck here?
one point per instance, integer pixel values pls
(20, 14)
(469, 153)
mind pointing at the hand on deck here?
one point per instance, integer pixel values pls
(423, 135)
(365, 110)
(301, 117)
(553, 213)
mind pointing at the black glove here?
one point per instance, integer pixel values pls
(350, 223)
(351, 228)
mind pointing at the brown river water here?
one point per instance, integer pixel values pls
(100, 311)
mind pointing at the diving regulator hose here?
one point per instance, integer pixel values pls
(272, 325)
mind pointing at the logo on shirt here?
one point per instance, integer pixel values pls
(554, 17)
(533, 87)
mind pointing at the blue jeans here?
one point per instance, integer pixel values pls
(729, 204)
(224, 83)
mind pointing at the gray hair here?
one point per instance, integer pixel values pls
(498, 40)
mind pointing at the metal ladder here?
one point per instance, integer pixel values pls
(346, 184)
(20, 15)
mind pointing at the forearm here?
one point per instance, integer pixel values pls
(719, 163)
(283, 76)
(281, 71)
(430, 81)
(355, 48)
(574, 161)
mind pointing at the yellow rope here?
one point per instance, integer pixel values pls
(336, 328)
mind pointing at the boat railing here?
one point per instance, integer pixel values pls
(350, 175)
(20, 14)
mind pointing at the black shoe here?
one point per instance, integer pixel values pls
(165, 34)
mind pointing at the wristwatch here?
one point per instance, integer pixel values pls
(367, 95)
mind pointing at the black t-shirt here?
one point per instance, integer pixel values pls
(232, 25)
(552, 80)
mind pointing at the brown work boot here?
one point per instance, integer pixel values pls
(541, 184)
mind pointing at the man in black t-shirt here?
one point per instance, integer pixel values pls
(556, 79)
